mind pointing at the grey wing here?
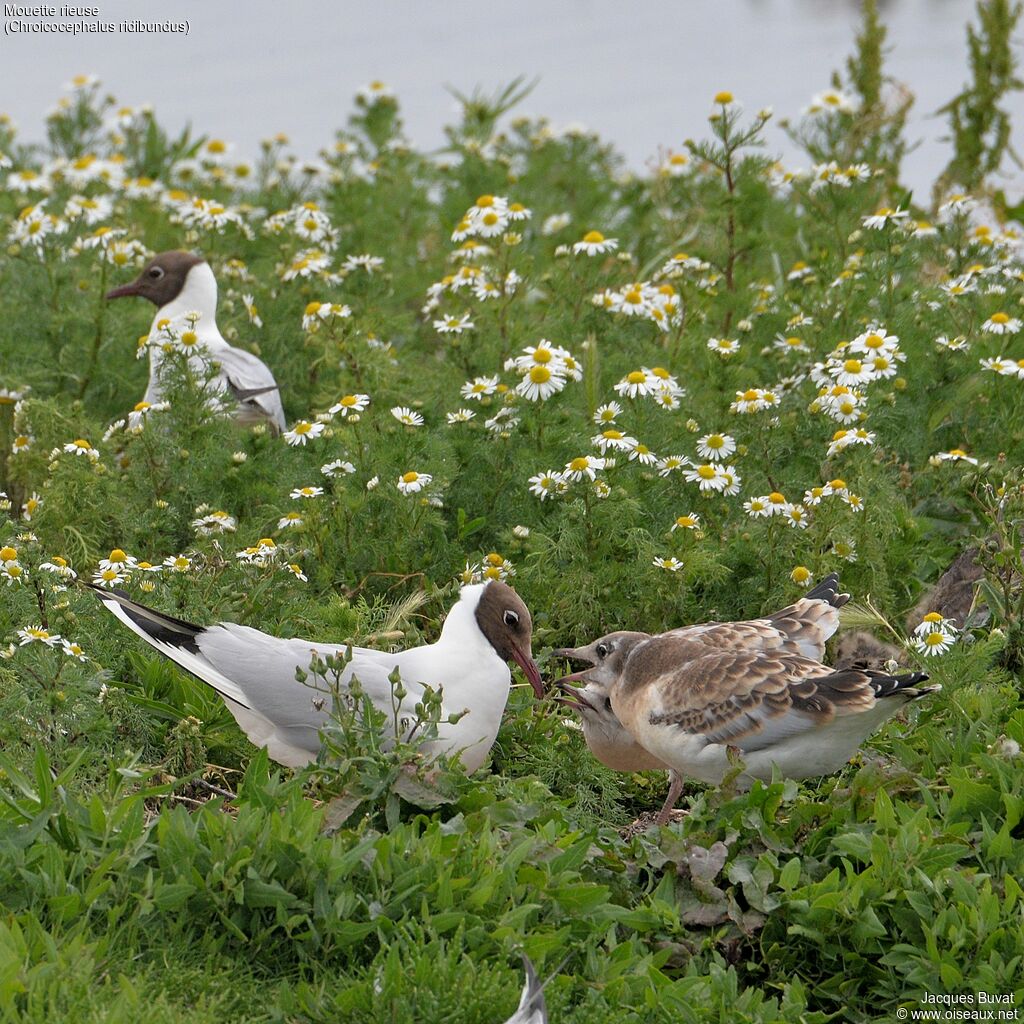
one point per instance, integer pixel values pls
(249, 379)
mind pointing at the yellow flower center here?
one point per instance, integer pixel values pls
(303, 427)
(707, 472)
(349, 400)
(117, 555)
(216, 146)
(189, 337)
(542, 355)
(579, 464)
(852, 366)
(800, 574)
(999, 318)
(108, 574)
(411, 477)
(715, 441)
(637, 377)
(540, 374)
(633, 297)
(312, 308)
(723, 97)
(82, 443)
(141, 406)
(776, 498)
(613, 435)
(8, 554)
(494, 559)
(874, 341)
(933, 617)
(484, 201)
(750, 395)
(593, 237)
(490, 218)
(935, 639)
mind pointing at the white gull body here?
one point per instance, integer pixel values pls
(255, 673)
(186, 286)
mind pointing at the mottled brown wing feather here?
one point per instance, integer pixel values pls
(748, 699)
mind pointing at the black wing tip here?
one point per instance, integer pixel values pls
(828, 590)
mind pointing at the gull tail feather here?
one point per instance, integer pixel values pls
(174, 638)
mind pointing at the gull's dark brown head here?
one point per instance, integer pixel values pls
(161, 280)
(506, 622)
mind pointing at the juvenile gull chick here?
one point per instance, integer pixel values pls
(757, 689)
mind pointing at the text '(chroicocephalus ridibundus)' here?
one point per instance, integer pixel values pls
(255, 673)
(758, 689)
(180, 284)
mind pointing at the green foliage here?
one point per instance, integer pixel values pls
(152, 864)
(980, 127)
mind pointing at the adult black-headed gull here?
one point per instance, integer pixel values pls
(255, 672)
(758, 689)
(179, 284)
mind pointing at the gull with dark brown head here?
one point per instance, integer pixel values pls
(255, 673)
(697, 698)
(180, 284)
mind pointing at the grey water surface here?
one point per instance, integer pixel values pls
(641, 74)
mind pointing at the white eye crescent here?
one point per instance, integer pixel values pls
(156, 273)
(511, 618)
(602, 650)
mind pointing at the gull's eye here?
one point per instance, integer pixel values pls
(602, 650)
(155, 273)
(511, 618)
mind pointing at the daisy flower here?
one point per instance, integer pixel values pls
(118, 561)
(250, 308)
(934, 642)
(36, 634)
(884, 217)
(306, 492)
(672, 464)
(614, 439)
(801, 576)
(214, 523)
(290, 519)
(178, 563)
(544, 485)
(81, 447)
(725, 347)
(459, 416)
(716, 447)
(670, 564)
(583, 466)
(349, 404)
(364, 261)
(955, 455)
(540, 383)
(757, 508)
(1001, 323)
(635, 384)
(707, 477)
(497, 567)
(641, 453)
(753, 400)
(59, 566)
(478, 388)
(593, 243)
(607, 413)
(303, 432)
(407, 416)
(296, 571)
(691, 521)
(412, 482)
(22, 443)
(337, 468)
(107, 578)
(452, 324)
(73, 650)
